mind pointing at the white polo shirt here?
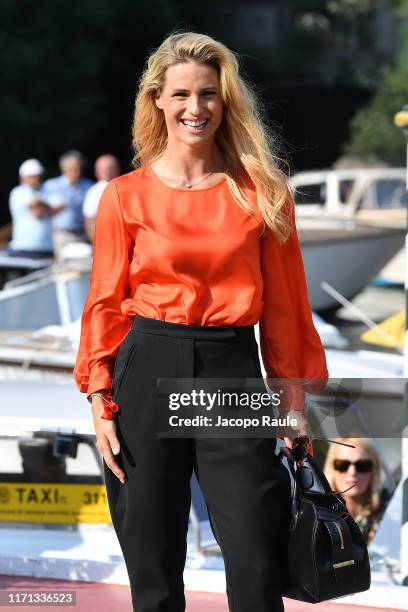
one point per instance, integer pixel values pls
(29, 233)
(92, 197)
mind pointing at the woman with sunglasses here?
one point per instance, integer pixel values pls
(192, 248)
(356, 474)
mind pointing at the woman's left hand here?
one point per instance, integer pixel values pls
(289, 433)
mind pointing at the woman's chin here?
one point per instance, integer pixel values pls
(195, 140)
(356, 495)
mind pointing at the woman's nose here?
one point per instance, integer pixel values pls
(194, 105)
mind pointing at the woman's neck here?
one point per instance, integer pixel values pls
(355, 505)
(188, 162)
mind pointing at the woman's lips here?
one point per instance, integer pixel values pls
(195, 129)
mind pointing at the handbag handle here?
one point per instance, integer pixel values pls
(315, 469)
(320, 474)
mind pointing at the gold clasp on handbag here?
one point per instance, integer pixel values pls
(344, 563)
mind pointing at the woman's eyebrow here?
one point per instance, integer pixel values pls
(181, 89)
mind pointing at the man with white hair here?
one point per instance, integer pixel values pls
(68, 191)
(106, 168)
(30, 214)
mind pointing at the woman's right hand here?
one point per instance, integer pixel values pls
(106, 439)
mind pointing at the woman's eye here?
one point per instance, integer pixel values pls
(183, 95)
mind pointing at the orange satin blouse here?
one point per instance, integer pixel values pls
(192, 256)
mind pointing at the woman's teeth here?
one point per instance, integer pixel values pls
(193, 126)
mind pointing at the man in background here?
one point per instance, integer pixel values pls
(106, 168)
(67, 193)
(30, 214)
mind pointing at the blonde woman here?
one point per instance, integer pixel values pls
(192, 249)
(356, 474)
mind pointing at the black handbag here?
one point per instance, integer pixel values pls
(327, 555)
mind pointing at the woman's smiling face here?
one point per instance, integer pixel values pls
(191, 102)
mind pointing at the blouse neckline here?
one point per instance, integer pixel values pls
(158, 180)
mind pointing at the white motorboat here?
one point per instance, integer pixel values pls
(373, 196)
(346, 254)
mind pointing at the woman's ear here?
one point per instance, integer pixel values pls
(157, 99)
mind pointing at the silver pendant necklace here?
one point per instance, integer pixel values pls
(189, 185)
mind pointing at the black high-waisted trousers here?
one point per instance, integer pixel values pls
(245, 486)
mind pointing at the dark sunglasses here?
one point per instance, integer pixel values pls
(362, 465)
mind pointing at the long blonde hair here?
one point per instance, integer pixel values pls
(242, 137)
(372, 497)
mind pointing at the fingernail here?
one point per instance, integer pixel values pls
(115, 450)
(122, 481)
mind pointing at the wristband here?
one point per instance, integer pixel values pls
(97, 394)
(110, 406)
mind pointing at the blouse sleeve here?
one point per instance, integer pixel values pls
(290, 345)
(103, 326)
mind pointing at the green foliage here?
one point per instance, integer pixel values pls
(373, 134)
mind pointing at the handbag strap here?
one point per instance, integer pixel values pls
(315, 467)
(320, 474)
